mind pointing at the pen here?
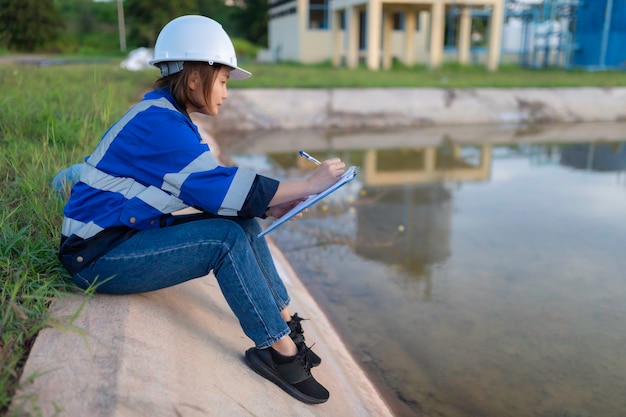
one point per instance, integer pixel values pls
(309, 157)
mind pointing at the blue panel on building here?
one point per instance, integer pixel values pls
(616, 50)
(601, 38)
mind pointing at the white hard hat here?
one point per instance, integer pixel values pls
(195, 38)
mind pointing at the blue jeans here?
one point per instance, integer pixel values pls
(241, 262)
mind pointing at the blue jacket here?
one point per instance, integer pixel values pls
(149, 164)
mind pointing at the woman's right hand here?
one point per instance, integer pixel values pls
(323, 177)
(327, 174)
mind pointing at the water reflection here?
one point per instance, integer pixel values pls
(471, 277)
(405, 210)
(595, 156)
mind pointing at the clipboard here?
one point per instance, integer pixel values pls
(347, 176)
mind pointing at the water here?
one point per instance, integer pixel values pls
(470, 278)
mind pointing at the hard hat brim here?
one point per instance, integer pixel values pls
(240, 74)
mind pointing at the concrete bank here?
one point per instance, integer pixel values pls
(178, 352)
(255, 109)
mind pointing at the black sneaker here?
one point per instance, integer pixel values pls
(294, 377)
(297, 335)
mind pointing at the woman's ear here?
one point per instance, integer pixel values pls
(194, 81)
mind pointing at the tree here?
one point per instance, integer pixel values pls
(217, 10)
(26, 25)
(146, 18)
(90, 26)
(251, 21)
(246, 19)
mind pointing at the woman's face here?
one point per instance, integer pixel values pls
(219, 92)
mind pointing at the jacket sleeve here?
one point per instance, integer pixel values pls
(259, 197)
(166, 152)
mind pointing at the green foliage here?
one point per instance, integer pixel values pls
(30, 274)
(245, 50)
(26, 25)
(52, 117)
(452, 75)
(91, 28)
(146, 18)
(63, 106)
(251, 21)
(218, 10)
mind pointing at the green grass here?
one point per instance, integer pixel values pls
(51, 117)
(449, 76)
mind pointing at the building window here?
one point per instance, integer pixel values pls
(362, 29)
(318, 14)
(398, 21)
(283, 13)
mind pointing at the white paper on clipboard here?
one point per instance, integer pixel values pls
(347, 176)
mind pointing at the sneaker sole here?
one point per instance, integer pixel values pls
(268, 373)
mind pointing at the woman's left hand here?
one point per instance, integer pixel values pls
(279, 210)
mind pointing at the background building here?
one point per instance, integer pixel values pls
(535, 33)
(375, 32)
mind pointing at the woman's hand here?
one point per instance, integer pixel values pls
(290, 192)
(327, 174)
(279, 210)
